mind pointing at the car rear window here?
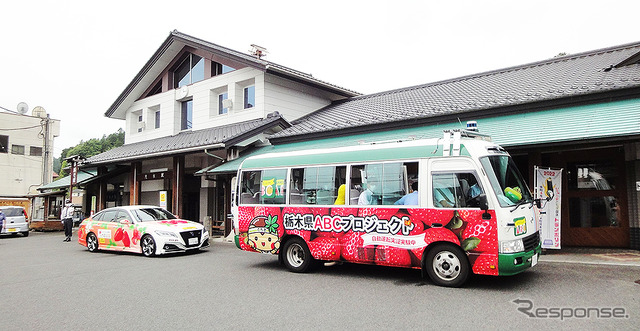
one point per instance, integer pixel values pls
(11, 212)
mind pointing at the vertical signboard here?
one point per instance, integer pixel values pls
(549, 191)
(163, 199)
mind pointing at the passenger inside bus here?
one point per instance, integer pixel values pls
(367, 197)
(410, 198)
(341, 194)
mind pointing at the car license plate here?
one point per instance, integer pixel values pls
(534, 260)
(193, 241)
(11, 230)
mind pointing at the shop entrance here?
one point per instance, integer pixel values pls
(594, 203)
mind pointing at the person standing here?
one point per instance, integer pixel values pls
(67, 220)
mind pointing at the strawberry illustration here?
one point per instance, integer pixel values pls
(421, 214)
(440, 234)
(306, 235)
(325, 248)
(125, 239)
(382, 213)
(245, 215)
(481, 264)
(118, 236)
(392, 256)
(437, 217)
(483, 235)
(136, 236)
(353, 250)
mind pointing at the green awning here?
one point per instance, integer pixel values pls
(83, 175)
(595, 121)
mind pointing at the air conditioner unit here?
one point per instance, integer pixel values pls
(141, 125)
(227, 103)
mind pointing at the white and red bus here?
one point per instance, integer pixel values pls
(450, 206)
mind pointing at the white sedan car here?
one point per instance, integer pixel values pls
(149, 230)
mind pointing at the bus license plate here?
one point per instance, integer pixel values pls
(534, 260)
(193, 241)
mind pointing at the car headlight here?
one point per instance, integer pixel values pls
(166, 233)
(511, 246)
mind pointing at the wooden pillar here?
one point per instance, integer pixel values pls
(134, 183)
(176, 185)
(101, 201)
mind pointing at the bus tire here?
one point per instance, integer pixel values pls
(447, 265)
(296, 255)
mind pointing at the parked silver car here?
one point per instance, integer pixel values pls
(16, 220)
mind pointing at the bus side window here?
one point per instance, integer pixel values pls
(456, 190)
(250, 187)
(272, 186)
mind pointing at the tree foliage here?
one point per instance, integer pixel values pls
(91, 147)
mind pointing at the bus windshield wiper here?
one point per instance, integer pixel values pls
(520, 203)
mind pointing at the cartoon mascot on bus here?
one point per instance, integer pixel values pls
(263, 234)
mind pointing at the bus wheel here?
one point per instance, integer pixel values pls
(447, 265)
(297, 257)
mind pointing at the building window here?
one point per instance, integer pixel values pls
(222, 109)
(249, 96)
(157, 89)
(219, 69)
(4, 143)
(189, 71)
(187, 115)
(17, 149)
(140, 123)
(157, 119)
(35, 151)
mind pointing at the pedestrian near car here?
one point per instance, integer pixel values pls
(67, 220)
(2, 219)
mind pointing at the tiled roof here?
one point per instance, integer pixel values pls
(188, 141)
(573, 76)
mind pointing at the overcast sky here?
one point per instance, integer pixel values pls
(75, 57)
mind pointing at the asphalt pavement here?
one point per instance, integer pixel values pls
(46, 284)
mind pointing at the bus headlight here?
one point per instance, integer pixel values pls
(511, 246)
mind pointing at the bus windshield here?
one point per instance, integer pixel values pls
(506, 180)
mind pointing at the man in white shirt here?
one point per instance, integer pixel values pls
(67, 220)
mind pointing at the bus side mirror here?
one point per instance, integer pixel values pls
(482, 202)
(538, 203)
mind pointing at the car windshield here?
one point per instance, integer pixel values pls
(506, 180)
(151, 214)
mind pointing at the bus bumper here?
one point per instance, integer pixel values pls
(511, 264)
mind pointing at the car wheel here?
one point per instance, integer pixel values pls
(92, 242)
(447, 265)
(148, 245)
(297, 257)
(25, 234)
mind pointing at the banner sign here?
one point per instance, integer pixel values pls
(548, 188)
(163, 199)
